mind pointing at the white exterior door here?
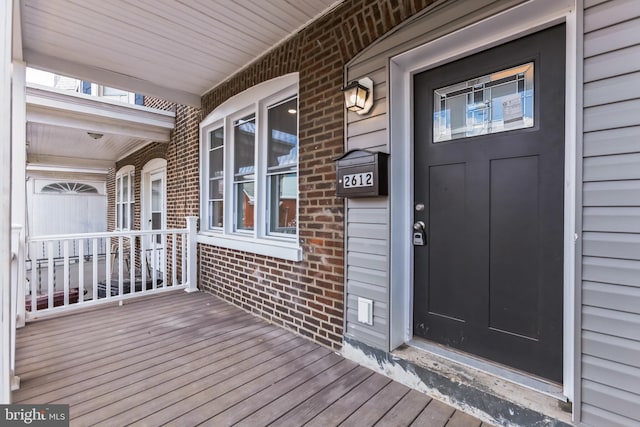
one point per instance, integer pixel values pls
(154, 216)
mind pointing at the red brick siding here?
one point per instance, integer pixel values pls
(306, 297)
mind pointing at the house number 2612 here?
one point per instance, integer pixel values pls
(364, 179)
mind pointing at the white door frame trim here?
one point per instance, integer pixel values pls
(157, 165)
(523, 19)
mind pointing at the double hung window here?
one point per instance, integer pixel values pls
(249, 171)
(125, 198)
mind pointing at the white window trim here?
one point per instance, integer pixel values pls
(129, 171)
(153, 166)
(259, 241)
(98, 90)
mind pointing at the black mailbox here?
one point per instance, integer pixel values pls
(361, 173)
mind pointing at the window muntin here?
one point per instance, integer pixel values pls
(260, 163)
(244, 171)
(216, 178)
(69, 188)
(282, 166)
(125, 199)
(493, 103)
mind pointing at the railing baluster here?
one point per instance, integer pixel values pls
(173, 260)
(65, 269)
(107, 267)
(143, 262)
(81, 272)
(33, 285)
(154, 261)
(120, 267)
(50, 267)
(184, 258)
(132, 264)
(94, 295)
(163, 261)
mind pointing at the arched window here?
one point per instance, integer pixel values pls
(69, 187)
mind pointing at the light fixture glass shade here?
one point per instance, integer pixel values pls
(355, 96)
(358, 95)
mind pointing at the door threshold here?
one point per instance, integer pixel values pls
(519, 378)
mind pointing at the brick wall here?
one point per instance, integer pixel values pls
(306, 297)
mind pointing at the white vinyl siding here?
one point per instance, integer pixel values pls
(611, 215)
(368, 243)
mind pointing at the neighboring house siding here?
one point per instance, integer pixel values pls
(611, 224)
(137, 160)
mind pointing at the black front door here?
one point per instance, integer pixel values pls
(489, 173)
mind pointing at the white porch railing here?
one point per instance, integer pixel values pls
(68, 272)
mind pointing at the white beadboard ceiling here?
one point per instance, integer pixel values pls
(59, 124)
(173, 49)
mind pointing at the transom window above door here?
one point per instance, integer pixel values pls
(492, 103)
(249, 170)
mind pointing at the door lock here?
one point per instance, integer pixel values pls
(419, 234)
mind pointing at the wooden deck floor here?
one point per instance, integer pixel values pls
(188, 359)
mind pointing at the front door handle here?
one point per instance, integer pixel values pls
(419, 234)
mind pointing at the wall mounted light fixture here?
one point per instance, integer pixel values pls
(358, 95)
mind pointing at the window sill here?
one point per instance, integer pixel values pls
(284, 250)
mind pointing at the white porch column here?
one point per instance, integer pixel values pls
(19, 177)
(6, 21)
(192, 254)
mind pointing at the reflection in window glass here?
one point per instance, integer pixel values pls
(283, 189)
(245, 202)
(244, 140)
(282, 166)
(216, 178)
(492, 103)
(115, 94)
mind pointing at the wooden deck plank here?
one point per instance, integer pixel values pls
(436, 414)
(126, 325)
(205, 393)
(124, 404)
(270, 403)
(349, 403)
(183, 359)
(374, 409)
(71, 323)
(238, 411)
(308, 407)
(460, 419)
(100, 364)
(126, 321)
(109, 344)
(405, 411)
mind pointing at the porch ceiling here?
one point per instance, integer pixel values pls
(175, 50)
(59, 124)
